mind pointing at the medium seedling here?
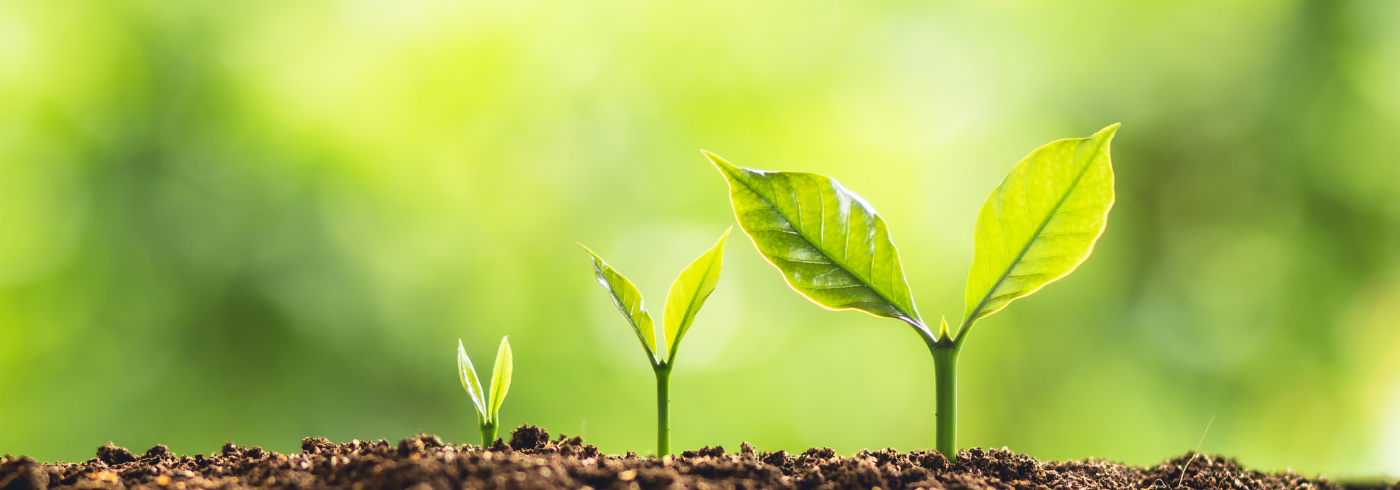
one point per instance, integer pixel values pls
(687, 295)
(488, 409)
(834, 249)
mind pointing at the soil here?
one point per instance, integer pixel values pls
(534, 461)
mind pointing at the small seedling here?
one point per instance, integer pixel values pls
(834, 249)
(488, 409)
(687, 295)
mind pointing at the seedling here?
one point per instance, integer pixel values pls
(835, 250)
(488, 408)
(687, 295)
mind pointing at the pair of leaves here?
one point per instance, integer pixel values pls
(688, 293)
(488, 408)
(834, 249)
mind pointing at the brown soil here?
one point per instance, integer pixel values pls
(533, 461)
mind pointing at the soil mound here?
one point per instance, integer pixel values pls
(531, 460)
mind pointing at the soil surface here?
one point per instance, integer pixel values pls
(534, 461)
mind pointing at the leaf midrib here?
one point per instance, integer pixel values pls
(866, 282)
(600, 267)
(627, 313)
(1026, 248)
(690, 311)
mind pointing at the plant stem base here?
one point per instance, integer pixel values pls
(945, 364)
(488, 434)
(663, 412)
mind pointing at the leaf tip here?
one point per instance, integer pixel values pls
(591, 253)
(462, 361)
(720, 163)
(1108, 131)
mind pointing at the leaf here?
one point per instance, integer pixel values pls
(688, 294)
(1041, 222)
(628, 301)
(830, 244)
(500, 378)
(469, 381)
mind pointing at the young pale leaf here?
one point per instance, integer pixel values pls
(831, 245)
(1041, 222)
(500, 378)
(688, 294)
(473, 386)
(629, 302)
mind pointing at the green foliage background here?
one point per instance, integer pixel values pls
(260, 221)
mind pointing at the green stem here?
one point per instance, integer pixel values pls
(663, 412)
(945, 363)
(488, 434)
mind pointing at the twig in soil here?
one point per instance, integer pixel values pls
(1195, 453)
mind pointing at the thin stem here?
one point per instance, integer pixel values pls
(945, 363)
(488, 434)
(663, 412)
(945, 374)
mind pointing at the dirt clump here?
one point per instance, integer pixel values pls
(531, 460)
(528, 438)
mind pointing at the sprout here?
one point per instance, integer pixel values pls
(687, 295)
(488, 408)
(834, 249)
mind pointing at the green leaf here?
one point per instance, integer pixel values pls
(1041, 222)
(688, 294)
(629, 302)
(469, 381)
(830, 244)
(500, 378)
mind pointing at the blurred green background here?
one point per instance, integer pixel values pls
(260, 221)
